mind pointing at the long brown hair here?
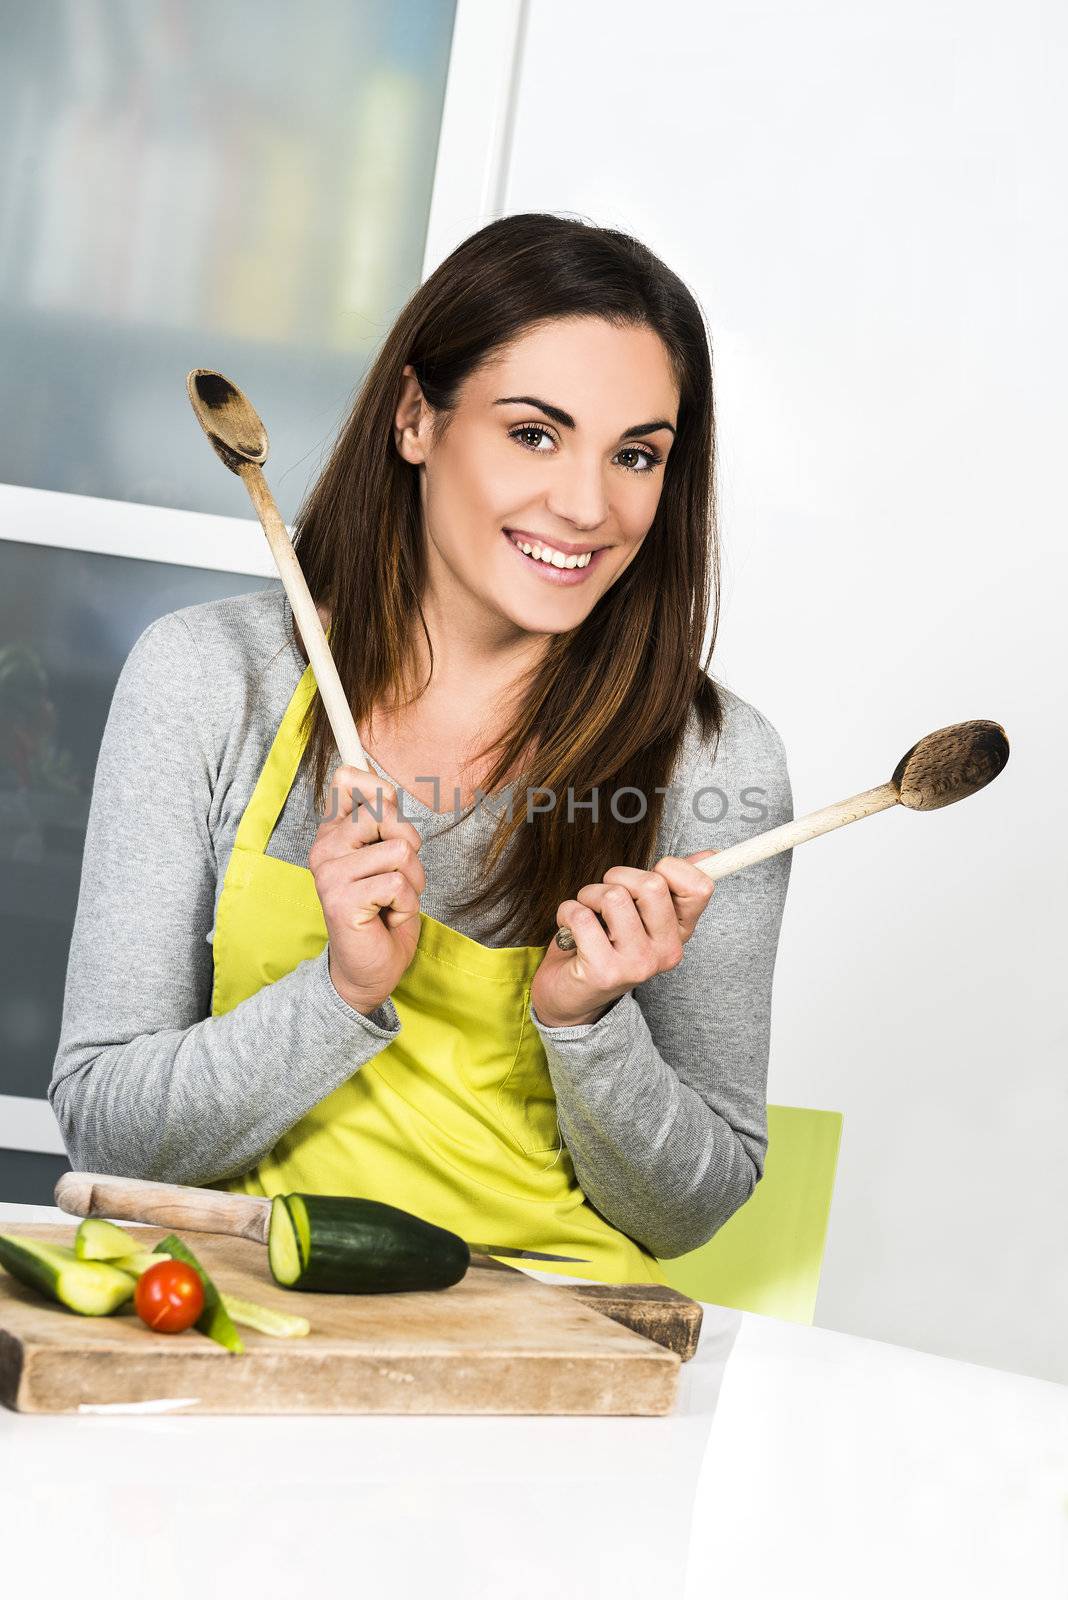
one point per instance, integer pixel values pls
(608, 706)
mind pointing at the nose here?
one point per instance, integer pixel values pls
(579, 495)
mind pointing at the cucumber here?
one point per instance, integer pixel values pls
(138, 1263)
(280, 1323)
(97, 1240)
(214, 1320)
(341, 1245)
(283, 1247)
(103, 1241)
(92, 1288)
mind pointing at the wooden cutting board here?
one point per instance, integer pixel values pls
(496, 1343)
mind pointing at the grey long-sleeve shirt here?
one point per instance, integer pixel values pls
(661, 1102)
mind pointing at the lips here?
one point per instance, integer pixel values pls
(546, 570)
(553, 544)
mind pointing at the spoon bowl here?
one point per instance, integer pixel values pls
(950, 764)
(232, 425)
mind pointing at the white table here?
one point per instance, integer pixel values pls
(800, 1463)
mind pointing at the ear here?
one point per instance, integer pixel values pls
(408, 419)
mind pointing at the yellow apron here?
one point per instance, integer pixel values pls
(456, 1119)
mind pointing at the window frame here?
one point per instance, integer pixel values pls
(468, 190)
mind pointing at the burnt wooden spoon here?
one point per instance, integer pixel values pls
(943, 767)
(239, 439)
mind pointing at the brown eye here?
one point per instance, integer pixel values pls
(652, 458)
(530, 427)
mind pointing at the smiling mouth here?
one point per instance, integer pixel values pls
(549, 557)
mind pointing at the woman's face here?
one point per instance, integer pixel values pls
(562, 441)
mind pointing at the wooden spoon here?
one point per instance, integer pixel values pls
(239, 439)
(944, 766)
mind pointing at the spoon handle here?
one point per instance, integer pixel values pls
(774, 840)
(338, 710)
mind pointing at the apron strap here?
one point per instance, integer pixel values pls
(278, 771)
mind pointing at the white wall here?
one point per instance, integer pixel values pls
(868, 201)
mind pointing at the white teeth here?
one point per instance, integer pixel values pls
(552, 558)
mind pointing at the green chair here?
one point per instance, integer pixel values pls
(767, 1256)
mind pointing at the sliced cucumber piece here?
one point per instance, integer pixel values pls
(138, 1263)
(283, 1246)
(280, 1323)
(342, 1245)
(97, 1240)
(214, 1320)
(92, 1288)
(301, 1226)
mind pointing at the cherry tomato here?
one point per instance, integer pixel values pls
(169, 1296)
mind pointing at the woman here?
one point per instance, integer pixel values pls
(273, 989)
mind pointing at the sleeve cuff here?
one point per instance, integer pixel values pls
(614, 1025)
(383, 1022)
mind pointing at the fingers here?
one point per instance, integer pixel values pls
(592, 948)
(643, 909)
(377, 892)
(636, 943)
(626, 930)
(691, 889)
(674, 883)
(647, 916)
(344, 829)
(349, 786)
(336, 862)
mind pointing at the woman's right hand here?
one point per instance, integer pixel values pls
(360, 865)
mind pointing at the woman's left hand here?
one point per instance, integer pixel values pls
(650, 916)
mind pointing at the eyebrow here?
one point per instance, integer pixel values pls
(567, 421)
